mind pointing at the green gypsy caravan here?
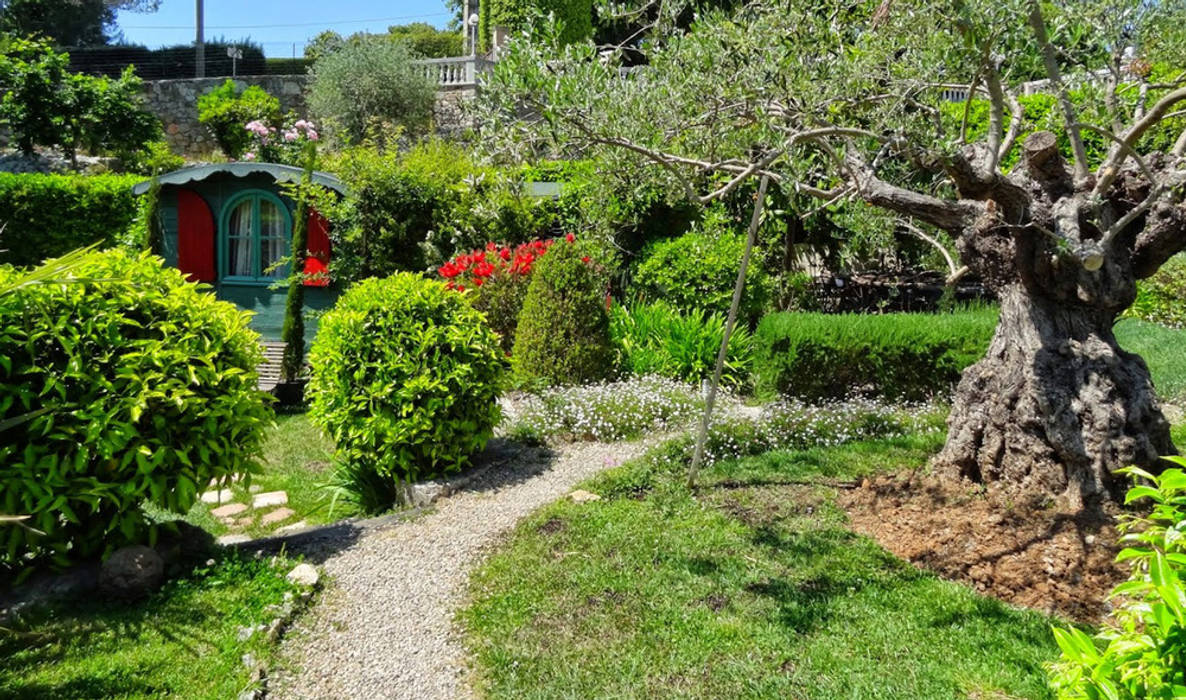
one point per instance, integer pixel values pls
(228, 224)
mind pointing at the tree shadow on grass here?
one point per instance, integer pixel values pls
(50, 634)
(84, 687)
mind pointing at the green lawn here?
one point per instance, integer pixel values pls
(754, 588)
(182, 642)
(296, 460)
(1163, 350)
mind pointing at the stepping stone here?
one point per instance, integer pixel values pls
(233, 539)
(229, 510)
(269, 499)
(276, 516)
(220, 496)
(299, 525)
(241, 523)
(580, 496)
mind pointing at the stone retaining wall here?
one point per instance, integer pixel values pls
(175, 102)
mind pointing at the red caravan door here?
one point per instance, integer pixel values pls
(195, 237)
(317, 264)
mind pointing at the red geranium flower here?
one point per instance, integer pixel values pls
(569, 237)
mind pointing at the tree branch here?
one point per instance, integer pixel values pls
(951, 216)
(1015, 121)
(952, 267)
(996, 115)
(1050, 58)
(1111, 167)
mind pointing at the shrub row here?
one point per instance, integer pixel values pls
(49, 215)
(910, 356)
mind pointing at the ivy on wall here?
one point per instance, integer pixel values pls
(575, 16)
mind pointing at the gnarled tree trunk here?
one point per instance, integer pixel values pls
(1056, 406)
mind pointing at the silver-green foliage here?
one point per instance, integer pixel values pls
(368, 87)
(1141, 651)
(405, 378)
(120, 383)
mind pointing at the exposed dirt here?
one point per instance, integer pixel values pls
(1034, 554)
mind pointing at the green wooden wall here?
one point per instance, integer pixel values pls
(266, 304)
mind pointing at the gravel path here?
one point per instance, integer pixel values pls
(385, 628)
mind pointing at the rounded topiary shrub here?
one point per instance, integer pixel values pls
(405, 378)
(120, 384)
(563, 332)
(698, 270)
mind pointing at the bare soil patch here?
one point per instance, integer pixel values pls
(1033, 554)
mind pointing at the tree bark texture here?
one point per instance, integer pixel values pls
(1056, 406)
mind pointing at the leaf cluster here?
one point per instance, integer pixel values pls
(1141, 651)
(44, 104)
(405, 378)
(44, 216)
(225, 111)
(127, 385)
(563, 331)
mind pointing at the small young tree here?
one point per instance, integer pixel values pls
(369, 86)
(47, 105)
(783, 86)
(32, 95)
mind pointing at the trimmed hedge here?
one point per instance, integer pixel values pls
(46, 216)
(129, 385)
(911, 356)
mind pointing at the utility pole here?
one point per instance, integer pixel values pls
(200, 42)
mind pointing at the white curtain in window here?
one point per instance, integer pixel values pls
(272, 240)
(239, 242)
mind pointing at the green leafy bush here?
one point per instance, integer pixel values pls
(698, 270)
(370, 87)
(32, 105)
(44, 104)
(1162, 297)
(563, 331)
(405, 378)
(45, 216)
(657, 339)
(408, 210)
(127, 385)
(225, 112)
(892, 355)
(426, 40)
(1141, 650)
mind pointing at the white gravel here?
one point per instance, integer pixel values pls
(385, 628)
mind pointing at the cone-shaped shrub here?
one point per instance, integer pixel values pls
(405, 377)
(563, 332)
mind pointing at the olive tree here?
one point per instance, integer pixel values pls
(850, 102)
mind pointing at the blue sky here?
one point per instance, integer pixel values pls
(276, 24)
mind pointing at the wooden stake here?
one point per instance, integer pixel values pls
(702, 435)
